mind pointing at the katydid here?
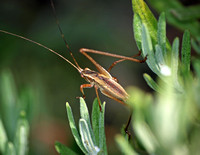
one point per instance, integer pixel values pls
(102, 79)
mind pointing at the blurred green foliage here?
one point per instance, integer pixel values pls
(181, 16)
(164, 122)
(167, 121)
(15, 111)
(163, 59)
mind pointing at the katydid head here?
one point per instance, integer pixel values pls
(88, 74)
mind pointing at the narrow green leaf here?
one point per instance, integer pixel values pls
(8, 102)
(187, 13)
(8, 88)
(3, 137)
(86, 116)
(175, 56)
(175, 63)
(63, 150)
(145, 135)
(140, 8)
(74, 129)
(195, 45)
(162, 33)
(151, 82)
(22, 134)
(10, 149)
(170, 7)
(86, 138)
(147, 18)
(196, 65)
(161, 5)
(26, 101)
(186, 51)
(98, 125)
(137, 29)
(102, 127)
(164, 69)
(124, 145)
(147, 49)
(159, 56)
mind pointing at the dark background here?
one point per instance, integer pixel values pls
(101, 25)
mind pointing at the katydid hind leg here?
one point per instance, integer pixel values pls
(129, 120)
(84, 51)
(127, 125)
(121, 60)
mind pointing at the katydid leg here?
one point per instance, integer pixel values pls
(121, 60)
(85, 50)
(96, 90)
(126, 127)
(85, 86)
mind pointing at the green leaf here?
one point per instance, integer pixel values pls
(159, 55)
(145, 136)
(186, 51)
(85, 115)
(175, 56)
(173, 10)
(22, 134)
(86, 138)
(187, 13)
(74, 129)
(136, 100)
(147, 49)
(175, 63)
(98, 125)
(196, 65)
(3, 138)
(8, 88)
(137, 29)
(195, 45)
(26, 101)
(63, 150)
(8, 102)
(164, 69)
(151, 82)
(147, 18)
(162, 33)
(124, 145)
(10, 149)
(165, 5)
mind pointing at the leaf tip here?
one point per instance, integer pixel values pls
(67, 104)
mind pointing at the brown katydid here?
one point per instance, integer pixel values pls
(102, 79)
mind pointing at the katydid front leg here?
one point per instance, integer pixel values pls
(88, 85)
